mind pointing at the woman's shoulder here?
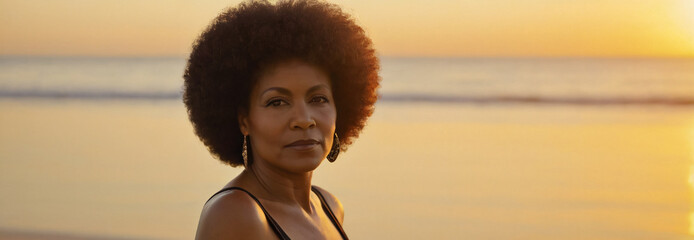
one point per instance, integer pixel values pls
(333, 202)
(232, 213)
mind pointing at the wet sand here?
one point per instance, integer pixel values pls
(27, 235)
(416, 172)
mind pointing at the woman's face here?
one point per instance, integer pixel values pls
(291, 118)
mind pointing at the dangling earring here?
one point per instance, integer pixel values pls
(335, 150)
(244, 154)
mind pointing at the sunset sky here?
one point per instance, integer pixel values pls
(437, 28)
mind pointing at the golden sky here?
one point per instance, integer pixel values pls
(602, 28)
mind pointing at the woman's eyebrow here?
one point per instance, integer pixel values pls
(283, 91)
(316, 88)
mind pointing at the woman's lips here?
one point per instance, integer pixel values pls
(304, 144)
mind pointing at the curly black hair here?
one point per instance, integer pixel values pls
(242, 42)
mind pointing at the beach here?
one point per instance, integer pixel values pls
(513, 120)
(137, 171)
(33, 235)
(107, 151)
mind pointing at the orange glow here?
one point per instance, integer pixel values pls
(398, 28)
(686, 21)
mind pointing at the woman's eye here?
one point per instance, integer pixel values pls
(319, 99)
(275, 103)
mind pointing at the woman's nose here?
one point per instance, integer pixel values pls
(302, 118)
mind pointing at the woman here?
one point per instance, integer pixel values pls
(277, 89)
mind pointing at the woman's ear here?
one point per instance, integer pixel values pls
(243, 124)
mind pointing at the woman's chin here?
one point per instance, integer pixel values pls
(303, 163)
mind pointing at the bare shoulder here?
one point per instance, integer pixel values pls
(232, 214)
(334, 203)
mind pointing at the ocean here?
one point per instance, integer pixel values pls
(458, 148)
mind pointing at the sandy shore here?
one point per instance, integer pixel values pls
(28, 235)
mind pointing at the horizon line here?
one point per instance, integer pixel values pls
(380, 56)
(674, 101)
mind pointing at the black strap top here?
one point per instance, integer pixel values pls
(276, 227)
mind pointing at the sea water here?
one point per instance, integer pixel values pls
(457, 148)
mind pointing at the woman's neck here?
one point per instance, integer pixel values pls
(282, 186)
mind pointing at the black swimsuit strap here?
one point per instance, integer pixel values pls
(273, 224)
(329, 212)
(276, 227)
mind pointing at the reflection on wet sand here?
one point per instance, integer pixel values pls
(418, 171)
